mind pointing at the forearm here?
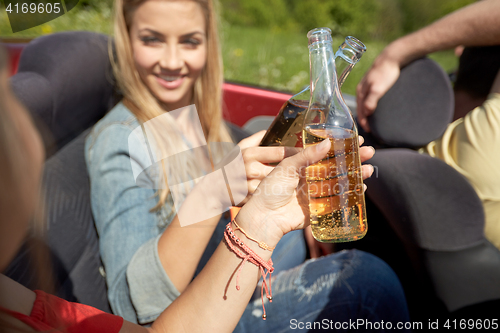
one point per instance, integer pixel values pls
(201, 307)
(182, 244)
(180, 249)
(474, 25)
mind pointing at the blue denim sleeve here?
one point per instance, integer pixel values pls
(138, 287)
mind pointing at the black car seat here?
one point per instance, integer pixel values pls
(433, 214)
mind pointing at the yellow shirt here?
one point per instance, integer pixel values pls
(471, 145)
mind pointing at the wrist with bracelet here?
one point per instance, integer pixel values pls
(244, 252)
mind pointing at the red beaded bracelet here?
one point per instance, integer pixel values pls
(248, 255)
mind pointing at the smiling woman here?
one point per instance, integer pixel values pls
(161, 65)
(167, 57)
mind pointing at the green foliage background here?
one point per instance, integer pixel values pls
(381, 20)
(263, 41)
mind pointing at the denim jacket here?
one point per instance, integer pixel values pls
(138, 287)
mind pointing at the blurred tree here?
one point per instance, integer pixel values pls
(389, 23)
(312, 14)
(419, 13)
(258, 13)
(97, 4)
(363, 18)
(382, 20)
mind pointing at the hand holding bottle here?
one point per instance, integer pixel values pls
(279, 205)
(259, 161)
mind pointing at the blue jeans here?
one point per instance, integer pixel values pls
(342, 289)
(345, 291)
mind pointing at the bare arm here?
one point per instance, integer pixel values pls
(201, 307)
(474, 25)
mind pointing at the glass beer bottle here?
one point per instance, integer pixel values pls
(335, 184)
(286, 129)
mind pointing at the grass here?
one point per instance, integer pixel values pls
(271, 59)
(279, 60)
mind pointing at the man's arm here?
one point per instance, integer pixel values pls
(474, 25)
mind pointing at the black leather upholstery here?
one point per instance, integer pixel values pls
(66, 82)
(417, 109)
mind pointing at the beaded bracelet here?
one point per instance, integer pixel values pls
(261, 244)
(248, 255)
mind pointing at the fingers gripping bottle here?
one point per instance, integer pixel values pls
(286, 129)
(335, 184)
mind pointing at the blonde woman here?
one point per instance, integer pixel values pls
(167, 57)
(201, 307)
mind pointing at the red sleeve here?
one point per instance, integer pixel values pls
(73, 317)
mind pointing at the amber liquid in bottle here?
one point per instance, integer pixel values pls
(335, 186)
(287, 129)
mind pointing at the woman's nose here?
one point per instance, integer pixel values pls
(172, 59)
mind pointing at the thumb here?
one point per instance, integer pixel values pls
(308, 156)
(286, 175)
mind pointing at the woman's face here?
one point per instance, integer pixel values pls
(170, 48)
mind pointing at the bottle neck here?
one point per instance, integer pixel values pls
(347, 56)
(326, 106)
(323, 72)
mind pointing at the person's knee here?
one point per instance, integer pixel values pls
(376, 270)
(382, 292)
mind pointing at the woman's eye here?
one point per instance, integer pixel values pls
(192, 42)
(149, 40)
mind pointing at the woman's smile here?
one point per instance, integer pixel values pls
(170, 49)
(170, 81)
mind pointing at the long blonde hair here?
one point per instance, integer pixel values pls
(207, 91)
(15, 178)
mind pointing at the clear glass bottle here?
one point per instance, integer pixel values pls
(286, 129)
(335, 184)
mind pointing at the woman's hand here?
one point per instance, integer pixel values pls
(279, 205)
(258, 161)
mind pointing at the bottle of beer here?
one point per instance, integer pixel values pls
(335, 184)
(286, 129)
